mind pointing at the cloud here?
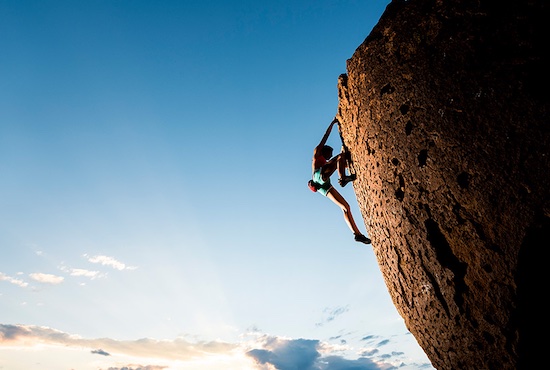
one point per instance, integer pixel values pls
(138, 367)
(288, 354)
(332, 313)
(100, 352)
(369, 337)
(82, 272)
(46, 278)
(339, 363)
(178, 349)
(369, 352)
(261, 352)
(9, 279)
(109, 261)
(305, 354)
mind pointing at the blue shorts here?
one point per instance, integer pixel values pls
(325, 185)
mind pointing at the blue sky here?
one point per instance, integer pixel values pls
(153, 204)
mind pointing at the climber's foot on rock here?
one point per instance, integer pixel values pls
(344, 180)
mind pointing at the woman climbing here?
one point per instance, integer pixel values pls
(323, 166)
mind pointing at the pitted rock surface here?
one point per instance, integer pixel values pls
(444, 109)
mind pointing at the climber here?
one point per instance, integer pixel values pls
(323, 166)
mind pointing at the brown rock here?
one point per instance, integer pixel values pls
(444, 109)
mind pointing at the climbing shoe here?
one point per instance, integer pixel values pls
(362, 239)
(344, 180)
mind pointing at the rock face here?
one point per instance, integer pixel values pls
(445, 110)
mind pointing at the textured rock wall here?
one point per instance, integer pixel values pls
(444, 108)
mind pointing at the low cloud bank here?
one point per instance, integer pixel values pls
(261, 351)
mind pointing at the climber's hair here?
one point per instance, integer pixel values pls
(327, 151)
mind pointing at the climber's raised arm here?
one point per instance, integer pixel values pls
(325, 137)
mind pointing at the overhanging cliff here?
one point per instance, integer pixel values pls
(444, 109)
